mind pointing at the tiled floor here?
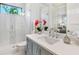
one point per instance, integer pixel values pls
(13, 50)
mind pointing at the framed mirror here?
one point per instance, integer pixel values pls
(61, 18)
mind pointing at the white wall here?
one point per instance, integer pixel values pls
(32, 13)
(28, 18)
(73, 16)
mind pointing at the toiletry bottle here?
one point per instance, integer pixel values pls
(67, 40)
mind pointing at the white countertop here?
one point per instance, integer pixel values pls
(59, 48)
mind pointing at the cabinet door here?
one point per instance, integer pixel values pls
(36, 49)
(32, 48)
(29, 47)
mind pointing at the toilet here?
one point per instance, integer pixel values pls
(21, 48)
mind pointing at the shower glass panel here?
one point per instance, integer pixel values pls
(12, 28)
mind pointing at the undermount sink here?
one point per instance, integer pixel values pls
(48, 39)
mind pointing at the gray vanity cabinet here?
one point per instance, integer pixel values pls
(45, 52)
(34, 49)
(29, 47)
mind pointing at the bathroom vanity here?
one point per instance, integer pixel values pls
(37, 45)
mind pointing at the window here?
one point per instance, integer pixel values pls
(9, 9)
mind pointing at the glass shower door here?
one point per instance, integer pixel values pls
(4, 29)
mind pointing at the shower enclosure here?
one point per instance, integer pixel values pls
(12, 25)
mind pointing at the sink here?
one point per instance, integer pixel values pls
(48, 39)
(51, 40)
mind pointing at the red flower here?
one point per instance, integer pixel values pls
(36, 22)
(44, 22)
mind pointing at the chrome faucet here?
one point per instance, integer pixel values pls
(51, 32)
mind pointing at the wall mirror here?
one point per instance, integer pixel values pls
(61, 18)
(44, 10)
(55, 14)
(73, 19)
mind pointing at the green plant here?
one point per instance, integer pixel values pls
(13, 11)
(39, 29)
(45, 28)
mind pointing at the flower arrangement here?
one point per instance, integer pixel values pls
(37, 24)
(44, 24)
(40, 25)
